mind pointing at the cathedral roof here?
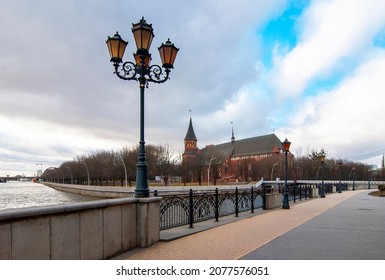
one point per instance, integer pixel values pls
(265, 144)
(190, 135)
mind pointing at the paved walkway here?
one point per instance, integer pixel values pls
(246, 237)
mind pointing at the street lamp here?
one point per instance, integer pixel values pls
(370, 172)
(351, 172)
(208, 170)
(88, 173)
(286, 147)
(322, 159)
(41, 170)
(354, 185)
(125, 169)
(72, 178)
(142, 72)
(272, 170)
(340, 168)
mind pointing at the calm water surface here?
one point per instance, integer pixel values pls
(27, 194)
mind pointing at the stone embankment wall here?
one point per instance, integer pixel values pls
(88, 230)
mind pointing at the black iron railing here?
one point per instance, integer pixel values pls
(299, 192)
(196, 206)
(187, 208)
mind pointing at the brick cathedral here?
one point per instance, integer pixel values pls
(232, 160)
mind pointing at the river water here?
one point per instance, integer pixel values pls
(27, 194)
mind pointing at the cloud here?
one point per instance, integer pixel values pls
(333, 35)
(58, 92)
(346, 120)
(59, 97)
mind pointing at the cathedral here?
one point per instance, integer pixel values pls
(233, 161)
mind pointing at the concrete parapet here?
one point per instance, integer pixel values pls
(88, 230)
(148, 217)
(96, 191)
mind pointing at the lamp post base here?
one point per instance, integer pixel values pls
(285, 204)
(142, 189)
(141, 194)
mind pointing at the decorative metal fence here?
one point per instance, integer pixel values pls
(196, 206)
(299, 192)
(179, 209)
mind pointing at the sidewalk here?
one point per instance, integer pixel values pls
(241, 238)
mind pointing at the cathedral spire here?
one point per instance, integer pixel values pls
(190, 142)
(190, 135)
(232, 133)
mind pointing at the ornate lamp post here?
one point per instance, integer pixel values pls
(285, 205)
(354, 184)
(72, 178)
(208, 171)
(351, 172)
(322, 159)
(272, 170)
(340, 168)
(144, 73)
(41, 170)
(88, 172)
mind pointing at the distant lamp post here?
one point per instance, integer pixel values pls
(88, 172)
(39, 174)
(72, 178)
(142, 72)
(322, 159)
(272, 170)
(340, 171)
(370, 172)
(285, 205)
(208, 171)
(352, 172)
(125, 169)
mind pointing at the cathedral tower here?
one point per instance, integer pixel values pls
(190, 142)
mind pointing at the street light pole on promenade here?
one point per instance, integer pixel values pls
(340, 169)
(285, 205)
(144, 73)
(322, 159)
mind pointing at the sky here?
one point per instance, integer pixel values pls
(309, 71)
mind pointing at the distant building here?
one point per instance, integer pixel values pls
(235, 160)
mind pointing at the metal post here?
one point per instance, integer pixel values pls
(354, 185)
(294, 193)
(191, 209)
(72, 178)
(300, 193)
(322, 185)
(208, 170)
(216, 205)
(236, 202)
(142, 189)
(125, 169)
(88, 173)
(264, 198)
(252, 199)
(285, 204)
(340, 186)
